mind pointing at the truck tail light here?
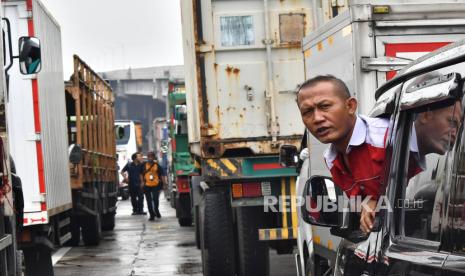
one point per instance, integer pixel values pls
(237, 190)
(246, 190)
(182, 185)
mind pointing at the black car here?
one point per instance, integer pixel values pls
(420, 225)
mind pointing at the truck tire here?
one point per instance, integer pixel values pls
(173, 200)
(108, 221)
(321, 267)
(217, 240)
(185, 222)
(75, 230)
(125, 194)
(38, 261)
(253, 255)
(91, 227)
(197, 226)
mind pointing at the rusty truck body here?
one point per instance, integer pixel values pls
(243, 63)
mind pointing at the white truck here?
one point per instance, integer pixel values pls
(243, 64)
(10, 187)
(126, 145)
(37, 132)
(364, 46)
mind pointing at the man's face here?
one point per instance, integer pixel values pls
(140, 158)
(151, 157)
(440, 127)
(325, 113)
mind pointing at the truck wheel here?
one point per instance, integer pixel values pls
(38, 261)
(217, 240)
(253, 254)
(125, 194)
(91, 230)
(108, 222)
(197, 226)
(184, 222)
(173, 200)
(75, 230)
(321, 267)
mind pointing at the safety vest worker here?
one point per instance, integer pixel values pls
(152, 174)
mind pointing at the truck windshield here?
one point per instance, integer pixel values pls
(127, 134)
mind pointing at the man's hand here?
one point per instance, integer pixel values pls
(368, 216)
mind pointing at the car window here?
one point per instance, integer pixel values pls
(456, 210)
(433, 132)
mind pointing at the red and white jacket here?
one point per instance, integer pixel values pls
(366, 154)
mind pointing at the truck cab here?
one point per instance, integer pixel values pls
(419, 227)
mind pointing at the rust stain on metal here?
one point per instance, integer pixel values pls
(215, 148)
(236, 71)
(228, 70)
(215, 66)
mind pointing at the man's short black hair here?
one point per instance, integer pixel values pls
(134, 155)
(338, 83)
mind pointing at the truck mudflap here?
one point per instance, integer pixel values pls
(246, 167)
(288, 210)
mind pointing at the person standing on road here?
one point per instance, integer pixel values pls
(134, 170)
(356, 153)
(153, 184)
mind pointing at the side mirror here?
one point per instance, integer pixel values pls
(441, 90)
(288, 156)
(321, 206)
(119, 132)
(75, 154)
(29, 55)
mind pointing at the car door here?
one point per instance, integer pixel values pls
(425, 151)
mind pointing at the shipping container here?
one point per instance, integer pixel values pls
(241, 90)
(243, 65)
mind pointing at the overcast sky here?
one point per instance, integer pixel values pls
(116, 34)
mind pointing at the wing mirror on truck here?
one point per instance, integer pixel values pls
(119, 132)
(75, 154)
(321, 206)
(288, 156)
(29, 55)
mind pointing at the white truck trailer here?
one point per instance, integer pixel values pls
(364, 46)
(243, 64)
(38, 136)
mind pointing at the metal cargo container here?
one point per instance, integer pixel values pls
(243, 64)
(37, 130)
(245, 67)
(365, 46)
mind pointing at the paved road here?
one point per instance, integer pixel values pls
(141, 247)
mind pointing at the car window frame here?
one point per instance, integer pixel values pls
(448, 220)
(403, 122)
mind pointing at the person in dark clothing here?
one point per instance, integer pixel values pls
(134, 171)
(153, 184)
